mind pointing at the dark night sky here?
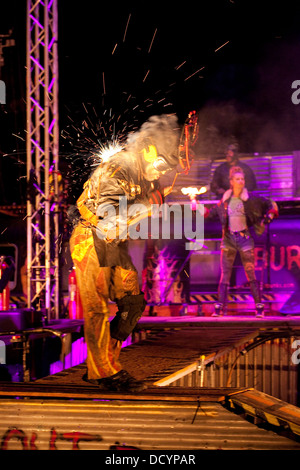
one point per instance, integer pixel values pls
(243, 89)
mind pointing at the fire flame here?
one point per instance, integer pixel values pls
(192, 192)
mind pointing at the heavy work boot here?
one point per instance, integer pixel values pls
(254, 286)
(220, 306)
(130, 310)
(122, 381)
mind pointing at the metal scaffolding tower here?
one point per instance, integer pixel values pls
(42, 157)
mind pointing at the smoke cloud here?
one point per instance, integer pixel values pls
(221, 124)
(252, 105)
(162, 131)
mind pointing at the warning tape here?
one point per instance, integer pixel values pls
(205, 298)
(19, 299)
(271, 417)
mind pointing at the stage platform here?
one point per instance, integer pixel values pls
(158, 343)
(61, 411)
(161, 349)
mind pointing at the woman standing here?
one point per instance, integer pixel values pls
(238, 211)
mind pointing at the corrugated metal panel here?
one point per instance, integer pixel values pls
(268, 367)
(66, 425)
(274, 175)
(281, 177)
(261, 166)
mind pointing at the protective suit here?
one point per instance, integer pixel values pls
(104, 269)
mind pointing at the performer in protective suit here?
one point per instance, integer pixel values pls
(104, 269)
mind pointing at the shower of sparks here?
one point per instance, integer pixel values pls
(103, 80)
(146, 76)
(222, 46)
(124, 37)
(190, 76)
(106, 152)
(18, 137)
(180, 65)
(91, 139)
(152, 40)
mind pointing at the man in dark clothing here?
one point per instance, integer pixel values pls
(220, 182)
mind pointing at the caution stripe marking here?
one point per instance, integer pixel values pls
(270, 409)
(205, 298)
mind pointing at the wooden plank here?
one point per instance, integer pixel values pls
(260, 404)
(92, 392)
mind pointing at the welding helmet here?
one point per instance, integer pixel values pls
(157, 142)
(160, 162)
